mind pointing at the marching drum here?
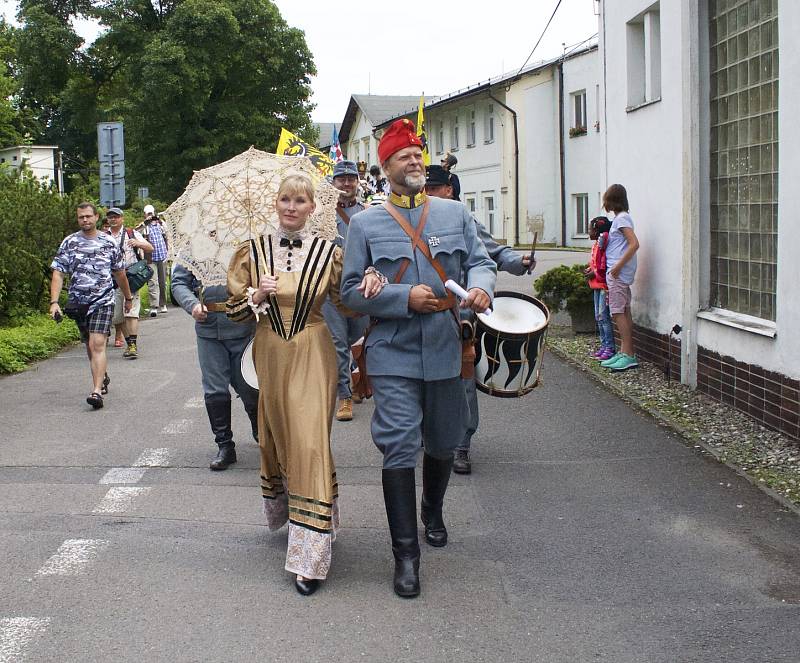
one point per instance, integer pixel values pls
(509, 345)
(249, 367)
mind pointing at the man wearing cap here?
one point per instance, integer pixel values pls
(448, 163)
(153, 231)
(414, 349)
(345, 331)
(220, 344)
(438, 184)
(130, 242)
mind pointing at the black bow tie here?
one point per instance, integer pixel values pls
(297, 243)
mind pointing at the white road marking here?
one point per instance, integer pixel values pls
(153, 458)
(72, 557)
(16, 633)
(123, 475)
(196, 402)
(119, 499)
(177, 427)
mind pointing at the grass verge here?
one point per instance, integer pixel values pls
(32, 338)
(763, 456)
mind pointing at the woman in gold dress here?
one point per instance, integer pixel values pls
(282, 279)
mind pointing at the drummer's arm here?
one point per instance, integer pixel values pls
(480, 269)
(183, 289)
(506, 259)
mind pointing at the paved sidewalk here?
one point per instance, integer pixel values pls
(586, 533)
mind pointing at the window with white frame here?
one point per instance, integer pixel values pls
(581, 203)
(743, 164)
(489, 128)
(365, 141)
(471, 132)
(454, 134)
(353, 156)
(643, 45)
(490, 215)
(440, 137)
(469, 201)
(579, 121)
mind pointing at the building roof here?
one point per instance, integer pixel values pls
(27, 147)
(506, 78)
(325, 133)
(376, 108)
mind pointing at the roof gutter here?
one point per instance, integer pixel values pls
(516, 165)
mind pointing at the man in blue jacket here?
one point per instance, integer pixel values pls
(414, 350)
(220, 344)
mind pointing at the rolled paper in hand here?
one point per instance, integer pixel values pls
(458, 291)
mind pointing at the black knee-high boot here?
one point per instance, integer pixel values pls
(400, 497)
(435, 476)
(218, 408)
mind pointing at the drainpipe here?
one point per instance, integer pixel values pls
(516, 166)
(561, 152)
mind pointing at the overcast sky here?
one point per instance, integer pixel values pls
(417, 46)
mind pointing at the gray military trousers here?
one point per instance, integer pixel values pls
(471, 392)
(344, 331)
(411, 413)
(221, 368)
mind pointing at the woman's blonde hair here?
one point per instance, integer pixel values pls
(297, 183)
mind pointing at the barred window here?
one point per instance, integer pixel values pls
(744, 155)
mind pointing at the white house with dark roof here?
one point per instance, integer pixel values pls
(43, 162)
(529, 148)
(364, 113)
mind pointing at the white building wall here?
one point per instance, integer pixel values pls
(583, 154)
(645, 152)
(645, 155)
(479, 161)
(39, 159)
(361, 145)
(535, 98)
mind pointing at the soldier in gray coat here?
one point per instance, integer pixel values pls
(438, 184)
(414, 350)
(345, 331)
(220, 343)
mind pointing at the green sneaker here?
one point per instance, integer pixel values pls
(624, 363)
(610, 360)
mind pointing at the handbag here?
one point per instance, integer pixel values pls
(138, 274)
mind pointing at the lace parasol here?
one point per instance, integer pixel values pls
(234, 201)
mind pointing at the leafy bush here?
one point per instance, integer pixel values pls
(34, 219)
(564, 287)
(35, 337)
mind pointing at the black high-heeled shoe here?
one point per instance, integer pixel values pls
(306, 587)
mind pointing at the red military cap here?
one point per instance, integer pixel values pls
(400, 134)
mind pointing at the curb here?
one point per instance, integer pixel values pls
(674, 426)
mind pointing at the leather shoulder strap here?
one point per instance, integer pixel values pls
(342, 215)
(416, 235)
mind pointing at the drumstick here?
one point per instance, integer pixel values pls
(457, 290)
(533, 253)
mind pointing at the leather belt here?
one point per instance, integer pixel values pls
(215, 307)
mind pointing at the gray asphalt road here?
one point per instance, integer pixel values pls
(585, 533)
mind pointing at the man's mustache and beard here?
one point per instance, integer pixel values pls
(415, 182)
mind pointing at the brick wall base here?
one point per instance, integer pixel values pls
(772, 399)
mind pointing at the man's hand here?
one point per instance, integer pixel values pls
(477, 300)
(128, 305)
(55, 312)
(422, 299)
(199, 312)
(529, 264)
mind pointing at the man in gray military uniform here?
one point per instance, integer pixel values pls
(439, 184)
(220, 343)
(345, 331)
(414, 351)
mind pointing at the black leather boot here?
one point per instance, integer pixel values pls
(435, 476)
(249, 398)
(400, 497)
(219, 416)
